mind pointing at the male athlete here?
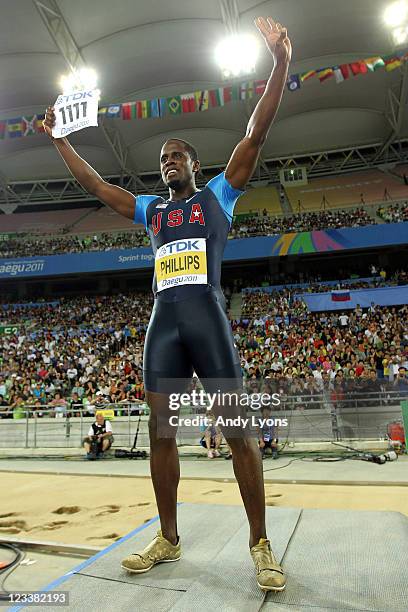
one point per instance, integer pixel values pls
(189, 329)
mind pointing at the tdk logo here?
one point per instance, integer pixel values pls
(79, 95)
(182, 245)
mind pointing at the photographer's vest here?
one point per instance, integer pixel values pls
(99, 429)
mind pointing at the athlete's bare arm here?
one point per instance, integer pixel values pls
(245, 155)
(117, 198)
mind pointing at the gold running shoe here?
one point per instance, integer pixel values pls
(159, 550)
(269, 574)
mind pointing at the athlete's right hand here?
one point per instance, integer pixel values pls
(49, 121)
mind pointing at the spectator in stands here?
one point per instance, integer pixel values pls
(4, 411)
(58, 405)
(17, 407)
(401, 381)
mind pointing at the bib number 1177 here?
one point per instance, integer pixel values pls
(72, 112)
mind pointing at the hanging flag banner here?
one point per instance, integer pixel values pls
(305, 76)
(324, 73)
(374, 63)
(174, 105)
(80, 110)
(29, 124)
(75, 111)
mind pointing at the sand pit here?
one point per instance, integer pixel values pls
(96, 511)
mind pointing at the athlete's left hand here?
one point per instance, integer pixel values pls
(276, 39)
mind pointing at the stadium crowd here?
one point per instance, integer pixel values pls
(394, 213)
(316, 285)
(73, 353)
(266, 225)
(262, 225)
(86, 353)
(43, 245)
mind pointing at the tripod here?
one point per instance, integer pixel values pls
(121, 453)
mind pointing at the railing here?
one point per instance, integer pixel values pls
(318, 417)
(63, 427)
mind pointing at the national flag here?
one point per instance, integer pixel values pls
(3, 126)
(355, 68)
(341, 73)
(29, 125)
(113, 110)
(15, 128)
(338, 75)
(345, 71)
(201, 99)
(305, 76)
(219, 95)
(246, 90)
(174, 105)
(293, 82)
(163, 106)
(128, 110)
(260, 86)
(39, 128)
(102, 110)
(340, 295)
(392, 63)
(155, 107)
(188, 103)
(374, 63)
(139, 109)
(226, 92)
(324, 74)
(146, 112)
(215, 97)
(235, 93)
(363, 67)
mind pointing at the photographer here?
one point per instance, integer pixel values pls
(99, 439)
(266, 435)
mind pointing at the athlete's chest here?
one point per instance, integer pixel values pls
(166, 217)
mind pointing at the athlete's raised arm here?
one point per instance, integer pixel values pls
(245, 156)
(117, 198)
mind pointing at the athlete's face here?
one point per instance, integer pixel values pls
(176, 166)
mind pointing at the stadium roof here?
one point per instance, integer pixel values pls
(144, 50)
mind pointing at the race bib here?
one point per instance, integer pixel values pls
(182, 262)
(74, 112)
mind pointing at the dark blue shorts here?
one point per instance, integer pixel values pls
(191, 335)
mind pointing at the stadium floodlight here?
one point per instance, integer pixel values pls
(396, 14)
(85, 78)
(400, 36)
(237, 55)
